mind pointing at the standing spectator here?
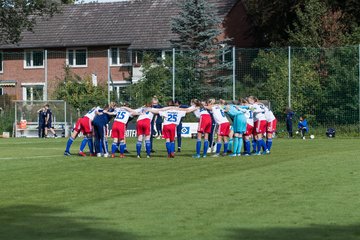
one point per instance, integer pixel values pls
(41, 122)
(303, 126)
(48, 121)
(289, 118)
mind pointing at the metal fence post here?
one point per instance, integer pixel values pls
(289, 72)
(46, 75)
(108, 69)
(234, 71)
(359, 86)
(173, 74)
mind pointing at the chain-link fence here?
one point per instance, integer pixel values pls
(322, 84)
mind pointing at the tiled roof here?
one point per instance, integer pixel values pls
(141, 24)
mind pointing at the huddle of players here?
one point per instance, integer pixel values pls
(250, 119)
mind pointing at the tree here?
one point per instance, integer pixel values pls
(80, 93)
(198, 30)
(269, 19)
(156, 80)
(19, 15)
(316, 25)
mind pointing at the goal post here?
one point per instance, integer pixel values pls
(26, 122)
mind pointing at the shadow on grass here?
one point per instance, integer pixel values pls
(315, 232)
(37, 222)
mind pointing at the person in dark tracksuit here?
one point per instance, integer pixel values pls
(158, 124)
(100, 123)
(289, 121)
(41, 122)
(179, 127)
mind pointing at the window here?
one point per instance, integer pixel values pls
(226, 55)
(120, 56)
(77, 57)
(1, 63)
(33, 92)
(119, 90)
(1, 91)
(34, 59)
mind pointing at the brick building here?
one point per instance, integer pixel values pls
(100, 40)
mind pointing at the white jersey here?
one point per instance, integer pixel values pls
(259, 112)
(249, 117)
(91, 114)
(219, 115)
(269, 115)
(122, 115)
(200, 111)
(172, 116)
(143, 114)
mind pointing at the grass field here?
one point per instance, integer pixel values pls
(303, 190)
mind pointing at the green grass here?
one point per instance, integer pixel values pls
(304, 190)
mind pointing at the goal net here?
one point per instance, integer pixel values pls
(26, 122)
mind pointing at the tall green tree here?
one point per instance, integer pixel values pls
(198, 29)
(80, 92)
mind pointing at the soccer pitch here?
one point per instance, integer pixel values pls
(303, 190)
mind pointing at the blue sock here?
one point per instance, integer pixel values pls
(114, 146)
(198, 147)
(230, 146)
(83, 144)
(240, 146)
(122, 147)
(218, 147)
(226, 145)
(258, 143)
(68, 144)
(172, 147)
(269, 144)
(263, 145)
(91, 145)
(206, 146)
(247, 146)
(254, 145)
(168, 147)
(236, 144)
(138, 147)
(148, 147)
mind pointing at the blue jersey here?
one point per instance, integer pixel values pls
(102, 119)
(303, 125)
(42, 116)
(49, 114)
(289, 116)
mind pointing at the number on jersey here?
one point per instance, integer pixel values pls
(172, 117)
(120, 115)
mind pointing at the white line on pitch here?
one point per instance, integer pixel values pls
(32, 157)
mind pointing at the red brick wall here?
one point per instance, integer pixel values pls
(97, 63)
